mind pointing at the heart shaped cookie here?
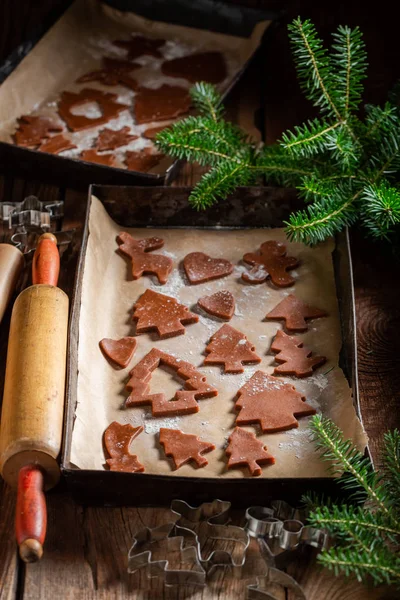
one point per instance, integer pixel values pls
(221, 304)
(200, 267)
(120, 351)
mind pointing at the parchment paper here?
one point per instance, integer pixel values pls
(108, 295)
(75, 45)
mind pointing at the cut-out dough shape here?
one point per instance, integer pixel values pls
(232, 349)
(184, 401)
(114, 72)
(33, 130)
(294, 312)
(92, 155)
(294, 358)
(271, 261)
(203, 66)
(120, 351)
(184, 447)
(151, 132)
(117, 439)
(107, 102)
(56, 144)
(221, 304)
(245, 450)
(164, 314)
(109, 139)
(200, 267)
(142, 261)
(271, 403)
(160, 104)
(140, 45)
(143, 160)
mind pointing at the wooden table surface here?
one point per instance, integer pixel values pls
(86, 548)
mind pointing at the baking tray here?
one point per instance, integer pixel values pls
(212, 15)
(168, 207)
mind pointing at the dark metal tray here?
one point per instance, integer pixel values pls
(168, 207)
(212, 15)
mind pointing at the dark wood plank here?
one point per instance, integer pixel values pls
(8, 551)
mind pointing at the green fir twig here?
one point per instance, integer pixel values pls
(366, 531)
(345, 168)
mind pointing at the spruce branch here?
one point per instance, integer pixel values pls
(346, 169)
(366, 534)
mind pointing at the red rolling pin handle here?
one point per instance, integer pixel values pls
(46, 260)
(31, 514)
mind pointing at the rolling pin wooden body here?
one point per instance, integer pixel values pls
(33, 401)
(11, 264)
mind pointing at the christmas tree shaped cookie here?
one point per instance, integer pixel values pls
(244, 449)
(230, 348)
(184, 401)
(294, 358)
(271, 403)
(270, 262)
(294, 312)
(163, 314)
(142, 261)
(184, 447)
(117, 439)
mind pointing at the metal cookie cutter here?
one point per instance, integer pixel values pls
(31, 212)
(150, 550)
(210, 522)
(280, 531)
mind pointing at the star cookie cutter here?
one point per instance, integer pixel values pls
(31, 212)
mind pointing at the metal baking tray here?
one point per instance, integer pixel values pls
(212, 15)
(168, 207)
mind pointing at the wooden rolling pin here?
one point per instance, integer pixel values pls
(33, 401)
(11, 264)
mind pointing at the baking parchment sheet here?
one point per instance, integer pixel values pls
(76, 44)
(108, 295)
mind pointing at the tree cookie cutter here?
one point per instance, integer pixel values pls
(193, 537)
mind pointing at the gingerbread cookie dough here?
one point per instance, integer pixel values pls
(33, 130)
(139, 45)
(270, 403)
(164, 314)
(107, 103)
(110, 139)
(203, 66)
(142, 261)
(120, 351)
(160, 104)
(294, 312)
(270, 262)
(184, 447)
(221, 304)
(200, 267)
(101, 159)
(184, 401)
(143, 160)
(230, 348)
(117, 439)
(56, 145)
(294, 358)
(245, 450)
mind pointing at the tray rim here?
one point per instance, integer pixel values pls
(17, 56)
(72, 473)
